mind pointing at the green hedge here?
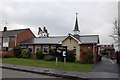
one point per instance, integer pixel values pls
(39, 54)
(49, 58)
(25, 53)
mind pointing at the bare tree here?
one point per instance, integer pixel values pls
(116, 33)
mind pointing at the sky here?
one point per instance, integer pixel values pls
(95, 17)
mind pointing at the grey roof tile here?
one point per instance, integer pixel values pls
(89, 39)
(44, 40)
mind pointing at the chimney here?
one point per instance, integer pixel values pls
(5, 29)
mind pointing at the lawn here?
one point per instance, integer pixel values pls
(69, 66)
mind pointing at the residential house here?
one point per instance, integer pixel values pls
(11, 38)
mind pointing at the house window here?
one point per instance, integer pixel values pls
(37, 48)
(74, 49)
(5, 42)
(53, 46)
(30, 49)
(45, 49)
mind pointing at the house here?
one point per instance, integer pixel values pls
(81, 44)
(108, 50)
(11, 38)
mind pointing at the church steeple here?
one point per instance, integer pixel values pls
(76, 28)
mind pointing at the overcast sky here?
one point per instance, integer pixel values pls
(59, 17)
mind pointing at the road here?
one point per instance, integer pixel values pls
(107, 65)
(7, 73)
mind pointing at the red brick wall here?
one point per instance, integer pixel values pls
(24, 36)
(84, 49)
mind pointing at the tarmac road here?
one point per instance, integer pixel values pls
(8, 73)
(106, 65)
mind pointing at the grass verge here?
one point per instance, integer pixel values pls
(69, 66)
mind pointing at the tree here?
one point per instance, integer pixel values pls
(116, 33)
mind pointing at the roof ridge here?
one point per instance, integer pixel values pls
(88, 35)
(17, 29)
(51, 37)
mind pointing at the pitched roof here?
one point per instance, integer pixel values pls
(84, 39)
(89, 39)
(44, 40)
(70, 35)
(12, 32)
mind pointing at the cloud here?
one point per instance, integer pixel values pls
(59, 17)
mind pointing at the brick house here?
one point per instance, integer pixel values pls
(81, 44)
(11, 38)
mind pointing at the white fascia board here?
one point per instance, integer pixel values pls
(60, 42)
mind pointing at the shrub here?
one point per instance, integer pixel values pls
(39, 54)
(71, 56)
(89, 57)
(52, 52)
(25, 53)
(17, 51)
(49, 58)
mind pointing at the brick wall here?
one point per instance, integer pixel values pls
(24, 36)
(84, 49)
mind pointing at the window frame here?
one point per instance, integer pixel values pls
(45, 46)
(30, 46)
(74, 49)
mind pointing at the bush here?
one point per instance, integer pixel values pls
(39, 54)
(52, 52)
(17, 51)
(25, 53)
(71, 56)
(49, 58)
(89, 57)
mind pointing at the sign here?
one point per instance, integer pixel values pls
(61, 51)
(64, 53)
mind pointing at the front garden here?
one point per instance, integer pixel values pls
(22, 57)
(68, 66)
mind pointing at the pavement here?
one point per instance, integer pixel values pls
(106, 69)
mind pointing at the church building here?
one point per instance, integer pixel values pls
(81, 44)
